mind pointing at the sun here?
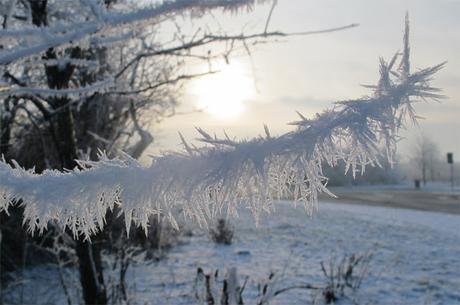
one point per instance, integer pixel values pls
(224, 93)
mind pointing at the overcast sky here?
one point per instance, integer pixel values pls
(309, 73)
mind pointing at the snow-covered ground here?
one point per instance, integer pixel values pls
(417, 257)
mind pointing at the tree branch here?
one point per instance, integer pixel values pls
(208, 39)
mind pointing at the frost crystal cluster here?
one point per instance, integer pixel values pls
(201, 183)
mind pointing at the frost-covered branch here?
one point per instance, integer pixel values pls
(209, 39)
(97, 24)
(99, 87)
(202, 183)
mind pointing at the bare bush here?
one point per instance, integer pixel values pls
(348, 274)
(342, 280)
(207, 291)
(222, 233)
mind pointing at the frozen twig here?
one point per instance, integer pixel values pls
(205, 182)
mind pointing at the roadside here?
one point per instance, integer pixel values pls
(443, 202)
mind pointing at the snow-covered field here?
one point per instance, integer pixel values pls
(417, 257)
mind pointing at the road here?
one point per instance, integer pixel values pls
(406, 199)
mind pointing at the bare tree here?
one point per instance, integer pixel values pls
(425, 156)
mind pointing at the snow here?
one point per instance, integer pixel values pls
(415, 260)
(441, 187)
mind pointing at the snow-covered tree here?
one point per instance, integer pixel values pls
(102, 65)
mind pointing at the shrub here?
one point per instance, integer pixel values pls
(222, 233)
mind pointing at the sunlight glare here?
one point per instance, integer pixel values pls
(224, 93)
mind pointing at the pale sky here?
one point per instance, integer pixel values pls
(307, 74)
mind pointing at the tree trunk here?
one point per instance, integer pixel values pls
(91, 276)
(424, 174)
(89, 255)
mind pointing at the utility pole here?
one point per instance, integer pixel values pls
(450, 160)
